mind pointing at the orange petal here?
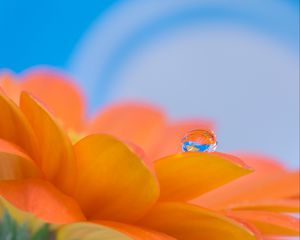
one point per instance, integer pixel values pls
(187, 175)
(184, 221)
(133, 122)
(57, 158)
(269, 223)
(285, 186)
(262, 164)
(170, 141)
(113, 183)
(14, 164)
(59, 93)
(42, 199)
(19, 216)
(135, 232)
(280, 238)
(88, 231)
(275, 205)
(10, 86)
(14, 126)
(269, 181)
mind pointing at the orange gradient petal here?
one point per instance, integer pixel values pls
(59, 93)
(135, 232)
(42, 199)
(268, 223)
(133, 122)
(170, 141)
(283, 186)
(10, 85)
(19, 216)
(268, 181)
(187, 175)
(113, 183)
(287, 185)
(14, 164)
(274, 205)
(57, 158)
(15, 128)
(184, 221)
(262, 164)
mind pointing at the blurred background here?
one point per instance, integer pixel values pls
(236, 62)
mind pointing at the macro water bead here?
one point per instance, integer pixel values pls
(199, 140)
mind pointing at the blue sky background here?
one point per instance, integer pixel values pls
(236, 62)
(45, 32)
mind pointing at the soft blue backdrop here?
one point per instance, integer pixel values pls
(42, 31)
(236, 62)
(45, 32)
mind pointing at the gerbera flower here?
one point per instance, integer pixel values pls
(111, 181)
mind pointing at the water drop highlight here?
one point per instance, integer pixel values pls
(199, 140)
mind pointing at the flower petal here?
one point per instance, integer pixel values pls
(262, 164)
(15, 128)
(14, 164)
(57, 158)
(286, 185)
(42, 199)
(10, 86)
(19, 216)
(188, 175)
(275, 205)
(268, 181)
(113, 183)
(136, 123)
(280, 238)
(135, 232)
(88, 231)
(59, 93)
(269, 223)
(184, 221)
(169, 142)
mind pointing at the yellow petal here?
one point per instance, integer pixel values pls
(56, 154)
(89, 231)
(14, 126)
(188, 175)
(188, 222)
(113, 183)
(269, 223)
(14, 164)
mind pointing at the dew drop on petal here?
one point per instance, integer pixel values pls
(199, 140)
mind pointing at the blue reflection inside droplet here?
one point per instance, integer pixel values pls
(191, 146)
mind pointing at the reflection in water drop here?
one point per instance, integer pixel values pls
(199, 140)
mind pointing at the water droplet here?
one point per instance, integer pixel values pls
(199, 140)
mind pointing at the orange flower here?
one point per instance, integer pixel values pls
(145, 194)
